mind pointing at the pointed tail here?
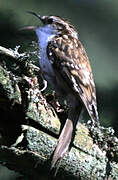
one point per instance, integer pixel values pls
(63, 142)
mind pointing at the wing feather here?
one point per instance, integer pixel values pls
(73, 64)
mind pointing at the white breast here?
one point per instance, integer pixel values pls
(44, 35)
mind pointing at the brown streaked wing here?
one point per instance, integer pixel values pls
(74, 58)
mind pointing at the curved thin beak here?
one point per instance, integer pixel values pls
(32, 27)
(35, 14)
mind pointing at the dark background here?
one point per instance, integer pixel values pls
(97, 24)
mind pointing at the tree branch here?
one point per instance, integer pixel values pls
(30, 126)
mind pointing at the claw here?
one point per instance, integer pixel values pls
(45, 85)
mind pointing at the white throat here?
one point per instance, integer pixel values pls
(45, 34)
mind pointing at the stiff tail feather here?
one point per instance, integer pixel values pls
(63, 142)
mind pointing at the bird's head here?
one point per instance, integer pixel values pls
(55, 25)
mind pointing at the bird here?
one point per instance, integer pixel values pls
(65, 66)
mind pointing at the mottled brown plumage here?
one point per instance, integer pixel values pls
(70, 60)
(66, 67)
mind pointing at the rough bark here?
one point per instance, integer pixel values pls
(30, 125)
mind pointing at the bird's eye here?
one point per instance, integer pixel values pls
(50, 21)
